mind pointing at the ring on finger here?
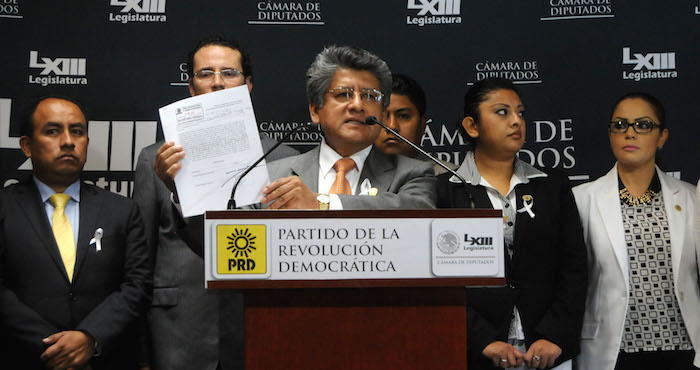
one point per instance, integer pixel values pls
(537, 358)
(503, 360)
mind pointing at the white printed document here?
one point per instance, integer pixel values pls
(219, 135)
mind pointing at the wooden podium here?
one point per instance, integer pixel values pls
(358, 323)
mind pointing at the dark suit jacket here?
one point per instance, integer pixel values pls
(547, 276)
(184, 317)
(110, 289)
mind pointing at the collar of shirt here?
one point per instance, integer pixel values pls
(327, 158)
(46, 192)
(72, 210)
(522, 173)
(471, 174)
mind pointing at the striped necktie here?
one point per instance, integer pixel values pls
(341, 184)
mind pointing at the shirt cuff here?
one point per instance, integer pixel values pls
(336, 204)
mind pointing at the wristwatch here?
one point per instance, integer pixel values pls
(324, 201)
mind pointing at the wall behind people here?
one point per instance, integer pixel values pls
(125, 59)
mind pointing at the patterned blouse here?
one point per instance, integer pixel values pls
(653, 321)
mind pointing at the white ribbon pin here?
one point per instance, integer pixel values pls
(97, 239)
(367, 189)
(527, 207)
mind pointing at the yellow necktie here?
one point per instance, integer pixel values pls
(341, 184)
(63, 232)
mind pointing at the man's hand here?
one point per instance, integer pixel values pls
(289, 193)
(67, 350)
(503, 354)
(544, 350)
(168, 163)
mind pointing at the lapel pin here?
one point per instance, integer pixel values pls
(678, 208)
(367, 189)
(527, 205)
(97, 239)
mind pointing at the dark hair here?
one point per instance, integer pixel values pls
(224, 41)
(476, 95)
(404, 85)
(330, 59)
(653, 102)
(26, 127)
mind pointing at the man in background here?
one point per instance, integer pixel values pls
(406, 115)
(184, 320)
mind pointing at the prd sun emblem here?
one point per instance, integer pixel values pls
(241, 243)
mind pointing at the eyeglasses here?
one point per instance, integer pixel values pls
(226, 74)
(640, 127)
(343, 94)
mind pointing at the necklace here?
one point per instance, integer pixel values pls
(646, 198)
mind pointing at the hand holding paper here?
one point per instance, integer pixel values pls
(215, 139)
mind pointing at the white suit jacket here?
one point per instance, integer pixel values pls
(608, 289)
(697, 214)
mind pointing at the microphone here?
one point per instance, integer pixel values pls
(232, 201)
(371, 120)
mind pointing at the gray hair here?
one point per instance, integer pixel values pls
(321, 72)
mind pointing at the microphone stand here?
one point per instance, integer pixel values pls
(371, 120)
(232, 201)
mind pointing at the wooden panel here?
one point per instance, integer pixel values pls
(392, 328)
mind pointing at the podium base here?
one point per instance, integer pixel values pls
(345, 328)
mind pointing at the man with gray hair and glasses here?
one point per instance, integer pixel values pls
(345, 85)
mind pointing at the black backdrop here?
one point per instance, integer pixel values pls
(571, 59)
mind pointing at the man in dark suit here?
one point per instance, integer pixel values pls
(75, 273)
(184, 318)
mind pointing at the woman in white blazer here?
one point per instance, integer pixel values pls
(638, 222)
(697, 214)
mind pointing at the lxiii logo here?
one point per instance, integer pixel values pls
(145, 11)
(65, 71)
(432, 12)
(657, 65)
(478, 240)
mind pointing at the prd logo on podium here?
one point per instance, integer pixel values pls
(241, 249)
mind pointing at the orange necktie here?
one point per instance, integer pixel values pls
(341, 184)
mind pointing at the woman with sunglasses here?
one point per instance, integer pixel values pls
(643, 305)
(534, 321)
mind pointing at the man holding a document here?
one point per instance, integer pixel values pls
(345, 85)
(184, 317)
